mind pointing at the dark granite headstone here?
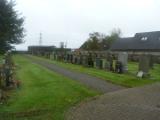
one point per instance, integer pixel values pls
(152, 60)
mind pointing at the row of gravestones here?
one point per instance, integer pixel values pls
(120, 65)
(98, 60)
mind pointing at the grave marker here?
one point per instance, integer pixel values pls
(144, 64)
(123, 59)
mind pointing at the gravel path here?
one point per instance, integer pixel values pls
(90, 81)
(129, 104)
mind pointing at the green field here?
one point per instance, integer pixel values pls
(128, 80)
(43, 95)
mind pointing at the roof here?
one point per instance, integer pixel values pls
(146, 41)
(41, 48)
(122, 44)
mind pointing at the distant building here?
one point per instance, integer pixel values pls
(146, 42)
(41, 50)
(142, 43)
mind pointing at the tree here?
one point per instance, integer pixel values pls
(99, 41)
(93, 42)
(115, 34)
(11, 26)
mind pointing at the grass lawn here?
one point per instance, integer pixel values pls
(128, 80)
(43, 95)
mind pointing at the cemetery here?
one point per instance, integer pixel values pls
(118, 66)
(97, 73)
(125, 54)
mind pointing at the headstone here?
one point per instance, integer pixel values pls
(151, 63)
(123, 59)
(90, 61)
(118, 67)
(109, 62)
(71, 58)
(56, 57)
(52, 56)
(107, 65)
(103, 63)
(144, 64)
(74, 59)
(94, 64)
(80, 59)
(68, 58)
(98, 63)
(85, 61)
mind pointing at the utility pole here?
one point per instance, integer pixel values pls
(40, 39)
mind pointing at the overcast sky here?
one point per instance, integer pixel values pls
(72, 20)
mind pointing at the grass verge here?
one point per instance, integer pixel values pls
(43, 95)
(129, 79)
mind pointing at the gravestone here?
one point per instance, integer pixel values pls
(144, 64)
(71, 58)
(90, 61)
(151, 63)
(109, 61)
(65, 58)
(94, 64)
(68, 58)
(107, 65)
(80, 60)
(74, 60)
(56, 57)
(52, 56)
(98, 62)
(94, 60)
(118, 67)
(84, 60)
(123, 59)
(103, 63)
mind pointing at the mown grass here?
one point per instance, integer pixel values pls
(43, 95)
(129, 79)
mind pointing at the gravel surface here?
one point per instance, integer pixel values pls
(129, 104)
(90, 81)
